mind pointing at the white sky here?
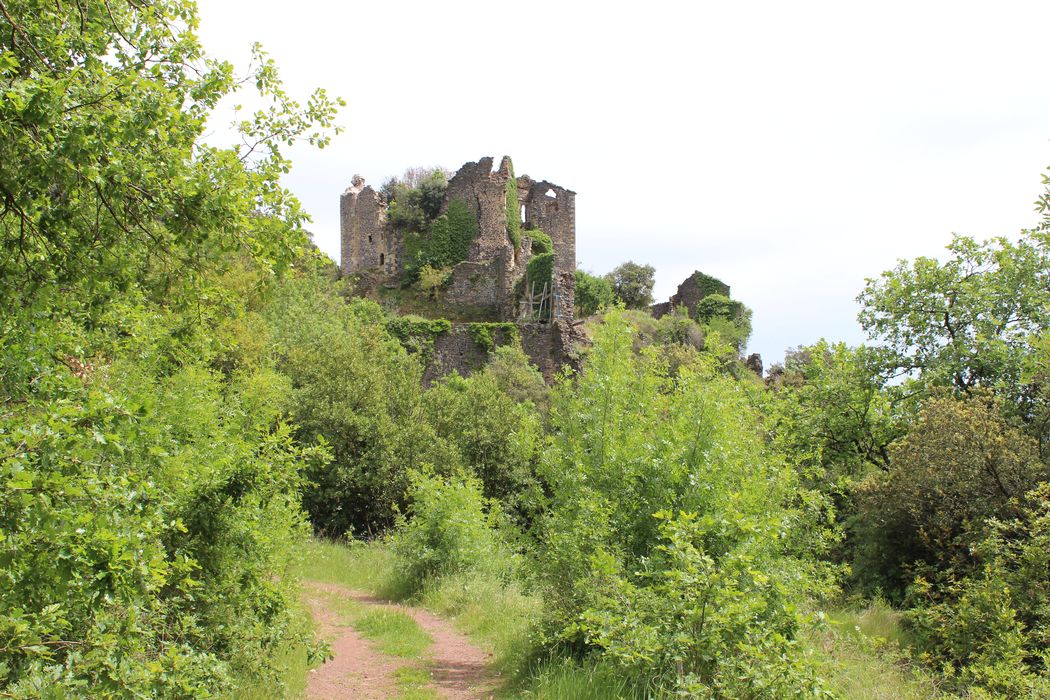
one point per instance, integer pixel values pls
(790, 149)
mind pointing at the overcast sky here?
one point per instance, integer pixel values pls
(790, 149)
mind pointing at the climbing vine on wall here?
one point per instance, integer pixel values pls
(541, 242)
(448, 242)
(489, 335)
(513, 209)
(417, 334)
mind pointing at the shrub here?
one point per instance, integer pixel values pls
(498, 438)
(992, 628)
(727, 317)
(959, 466)
(541, 242)
(592, 294)
(356, 389)
(674, 541)
(450, 528)
(149, 515)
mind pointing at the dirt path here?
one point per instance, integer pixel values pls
(458, 669)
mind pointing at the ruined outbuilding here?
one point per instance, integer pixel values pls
(490, 285)
(690, 292)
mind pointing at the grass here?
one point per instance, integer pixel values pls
(413, 684)
(367, 566)
(859, 649)
(498, 616)
(394, 632)
(862, 657)
(566, 679)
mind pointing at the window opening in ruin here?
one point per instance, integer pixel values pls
(382, 259)
(369, 238)
(522, 212)
(551, 193)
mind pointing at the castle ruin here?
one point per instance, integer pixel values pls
(490, 284)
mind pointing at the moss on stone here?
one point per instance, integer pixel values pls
(490, 335)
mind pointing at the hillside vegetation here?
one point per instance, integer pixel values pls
(195, 413)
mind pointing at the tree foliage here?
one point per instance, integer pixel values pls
(632, 284)
(593, 294)
(959, 466)
(149, 479)
(966, 322)
(105, 182)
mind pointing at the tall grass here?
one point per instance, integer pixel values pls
(862, 655)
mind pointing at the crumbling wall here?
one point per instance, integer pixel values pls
(454, 351)
(549, 346)
(476, 284)
(695, 287)
(366, 240)
(484, 193)
(552, 209)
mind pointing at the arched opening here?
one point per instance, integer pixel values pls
(382, 259)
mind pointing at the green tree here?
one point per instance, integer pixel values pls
(592, 293)
(632, 284)
(966, 322)
(960, 465)
(357, 390)
(498, 438)
(149, 493)
(105, 180)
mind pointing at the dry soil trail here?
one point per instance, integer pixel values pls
(458, 669)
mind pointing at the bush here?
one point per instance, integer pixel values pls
(149, 516)
(450, 528)
(497, 438)
(674, 541)
(959, 466)
(357, 390)
(992, 628)
(592, 294)
(729, 318)
(541, 242)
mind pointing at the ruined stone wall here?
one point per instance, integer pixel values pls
(366, 241)
(552, 209)
(690, 292)
(547, 345)
(454, 351)
(484, 192)
(477, 284)
(494, 266)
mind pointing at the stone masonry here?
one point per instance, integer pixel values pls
(490, 279)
